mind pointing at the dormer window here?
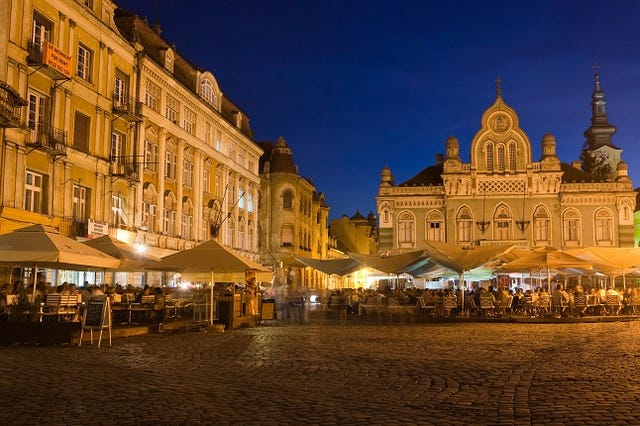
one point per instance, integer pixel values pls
(168, 60)
(207, 92)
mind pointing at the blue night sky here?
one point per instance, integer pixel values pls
(353, 86)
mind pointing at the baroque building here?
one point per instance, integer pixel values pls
(107, 129)
(293, 219)
(355, 234)
(503, 197)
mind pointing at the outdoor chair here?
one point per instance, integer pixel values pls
(487, 306)
(613, 304)
(579, 304)
(558, 306)
(449, 304)
(504, 306)
(543, 305)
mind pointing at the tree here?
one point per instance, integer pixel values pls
(594, 164)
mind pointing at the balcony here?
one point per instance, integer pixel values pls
(125, 167)
(127, 108)
(10, 106)
(48, 139)
(53, 62)
(74, 227)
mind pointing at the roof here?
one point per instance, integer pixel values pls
(571, 174)
(430, 176)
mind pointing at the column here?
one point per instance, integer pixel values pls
(61, 27)
(66, 123)
(198, 159)
(105, 143)
(179, 187)
(98, 198)
(97, 132)
(162, 149)
(20, 176)
(72, 28)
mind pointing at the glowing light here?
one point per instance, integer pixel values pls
(140, 248)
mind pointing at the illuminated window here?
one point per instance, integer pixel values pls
(118, 211)
(41, 32)
(207, 92)
(80, 202)
(149, 217)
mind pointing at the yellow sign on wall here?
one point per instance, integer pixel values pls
(57, 59)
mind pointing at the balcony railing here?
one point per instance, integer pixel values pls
(48, 139)
(10, 106)
(125, 166)
(127, 108)
(74, 227)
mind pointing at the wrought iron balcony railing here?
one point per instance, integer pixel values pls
(125, 166)
(127, 108)
(10, 106)
(47, 138)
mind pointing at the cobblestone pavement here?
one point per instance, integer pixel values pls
(333, 374)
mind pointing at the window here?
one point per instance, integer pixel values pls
(604, 227)
(152, 96)
(120, 91)
(501, 159)
(541, 226)
(207, 92)
(34, 192)
(168, 221)
(489, 151)
(118, 211)
(241, 156)
(189, 122)
(287, 199)
(206, 183)
(187, 227)
(187, 172)
(434, 226)
(286, 235)
(41, 32)
(117, 148)
(218, 183)
(250, 207)
(463, 225)
(502, 221)
(571, 227)
(406, 226)
(84, 62)
(241, 201)
(37, 113)
(171, 166)
(171, 109)
(88, 3)
(218, 141)
(150, 156)
(149, 217)
(81, 131)
(80, 202)
(512, 156)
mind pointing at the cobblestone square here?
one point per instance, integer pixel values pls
(330, 374)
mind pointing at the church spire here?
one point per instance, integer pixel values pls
(600, 132)
(498, 87)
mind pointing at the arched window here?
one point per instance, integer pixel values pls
(604, 227)
(463, 225)
(207, 91)
(571, 227)
(512, 156)
(489, 151)
(287, 199)
(502, 220)
(434, 226)
(406, 230)
(541, 226)
(501, 165)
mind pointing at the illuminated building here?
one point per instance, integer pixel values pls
(120, 134)
(355, 234)
(503, 197)
(293, 219)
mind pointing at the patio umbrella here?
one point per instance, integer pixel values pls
(546, 258)
(392, 264)
(611, 260)
(39, 246)
(208, 257)
(463, 259)
(332, 266)
(130, 258)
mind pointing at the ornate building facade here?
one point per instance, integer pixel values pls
(293, 219)
(503, 197)
(111, 131)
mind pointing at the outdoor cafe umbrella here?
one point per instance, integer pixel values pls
(208, 257)
(463, 259)
(39, 246)
(611, 260)
(130, 258)
(546, 258)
